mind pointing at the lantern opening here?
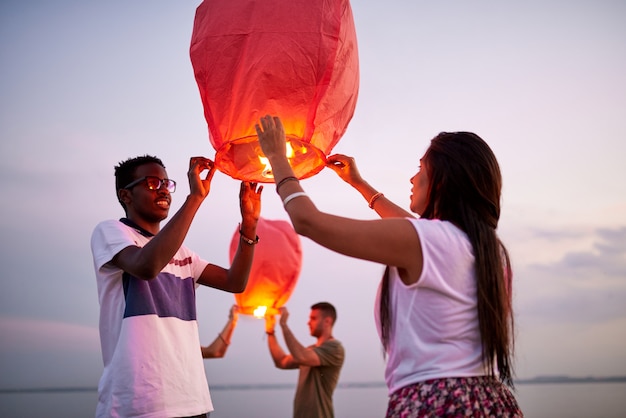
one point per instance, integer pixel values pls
(243, 159)
(260, 312)
(267, 171)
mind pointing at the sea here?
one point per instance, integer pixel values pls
(356, 400)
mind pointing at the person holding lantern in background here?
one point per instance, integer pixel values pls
(444, 306)
(217, 349)
(146, 282)
(319, 364)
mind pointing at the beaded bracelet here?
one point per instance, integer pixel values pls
(285, 180)
(373, 199)
(248, 240)
(222, 338)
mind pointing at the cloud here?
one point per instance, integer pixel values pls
(570, 310)
(587, 286)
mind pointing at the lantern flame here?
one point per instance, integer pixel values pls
(260, 311)
(289, 150)
(267, 170)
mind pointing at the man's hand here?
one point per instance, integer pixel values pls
(284, 315)
(198, 186)
(270, 323)
(250, 201)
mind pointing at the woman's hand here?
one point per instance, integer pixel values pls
(271, 137)
(233, 315)
(345, 167)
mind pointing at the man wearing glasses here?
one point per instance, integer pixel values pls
(146, 282)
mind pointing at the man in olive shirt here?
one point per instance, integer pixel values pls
(319, 363)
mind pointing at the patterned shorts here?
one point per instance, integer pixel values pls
(454, 397)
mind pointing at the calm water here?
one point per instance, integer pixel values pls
(572, 400)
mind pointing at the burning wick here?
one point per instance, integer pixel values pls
(260, 311)
(267, 170)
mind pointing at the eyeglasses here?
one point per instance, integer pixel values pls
(154, 183)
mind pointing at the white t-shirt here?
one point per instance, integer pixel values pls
(148, 332)
(434, 329)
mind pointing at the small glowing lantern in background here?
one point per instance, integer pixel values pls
(296, 59)
(275, 268)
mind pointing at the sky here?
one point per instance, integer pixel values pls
(85, 85)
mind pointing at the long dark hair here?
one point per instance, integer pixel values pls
(465, 186)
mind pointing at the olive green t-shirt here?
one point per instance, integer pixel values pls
(314, 394)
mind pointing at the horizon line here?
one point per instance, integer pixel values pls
(548, 379)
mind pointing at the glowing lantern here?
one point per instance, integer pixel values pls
(275, 268)
(293, 58)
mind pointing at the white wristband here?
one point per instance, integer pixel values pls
(291, 197)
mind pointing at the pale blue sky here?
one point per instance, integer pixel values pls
(87, 84)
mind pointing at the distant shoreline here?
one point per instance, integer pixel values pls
(538, 380)
(569, 379)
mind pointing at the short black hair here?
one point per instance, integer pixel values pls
(327, 310)
(125, 171)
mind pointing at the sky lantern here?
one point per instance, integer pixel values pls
(296, 59)
(275, 268)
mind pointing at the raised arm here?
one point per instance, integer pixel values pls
(235, 278)
(146, 262)
(281, 359)
(346, 169)
(301, 355)
(217, 349)
(390, 241)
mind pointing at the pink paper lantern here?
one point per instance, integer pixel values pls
(293, 58)
(275, 268)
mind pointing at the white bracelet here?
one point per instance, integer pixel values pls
(291, 197)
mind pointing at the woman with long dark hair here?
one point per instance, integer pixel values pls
(444, 310)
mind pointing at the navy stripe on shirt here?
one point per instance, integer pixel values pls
(167, 295)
